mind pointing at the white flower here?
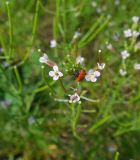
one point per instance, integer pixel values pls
(31, 120)
(74, 98)
(80, 60)
(135, 34)
(128, 33)
(56, 74)
(98, 10)
(7, 2)
(125, 54)
(94, 4)
(122, 72)
(1, 50)
(135, 19)
(112, 148)
(92, 75)
(137, 66)
(137, 45)
(44, 58)
(76, 35)
(109, 46)
(101, 66)
(53, 43)
(117, 2)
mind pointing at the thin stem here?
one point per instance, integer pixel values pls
(56, 25)
(55, 33)
(18, 79)
(76, 111)
(116, 156)
(35, 21)
(10, 29)
(64, 19)
(62, 86)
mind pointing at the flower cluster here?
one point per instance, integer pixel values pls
(131, 35)
(91, 75)
(132, 32)
(137, 66)
(74, 98)
(125, 54)
(135, 19)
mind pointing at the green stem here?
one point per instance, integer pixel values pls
(18, 79)
(35, 21)
(62, 86)
(10, 29)
(76, 111)
(64, 19)
(116, 156)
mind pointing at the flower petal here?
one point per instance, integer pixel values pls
(93, 79)
(42, 60)
(101, 66)
(51, 73)
(91, 71)
(87, 77)
(60, 74)
(45, 56)
(55, 68)
(53, 43)
(97, 73)
(55, 78)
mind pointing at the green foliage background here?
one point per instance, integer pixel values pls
(33, 126)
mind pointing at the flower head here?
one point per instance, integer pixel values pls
(53, 43)
(109, 46)
(80, 60)
(124, 54)
(101, 66)
(76, 35)
(74, 98)
(94, 4)
(31, 120)
(45, 59)
(7, 2)
(117, 2)
(137, 66)
(92, 75)
(1, 50)
(135, 19)
(135, 34)
(56, 74)
(128, 33)
(122, 72)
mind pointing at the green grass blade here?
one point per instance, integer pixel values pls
(99, 123)
(116, 156)
(93, 35)
(91, 30)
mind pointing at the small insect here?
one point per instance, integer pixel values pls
(80, 75)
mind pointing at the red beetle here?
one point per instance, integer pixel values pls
(80, 75)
